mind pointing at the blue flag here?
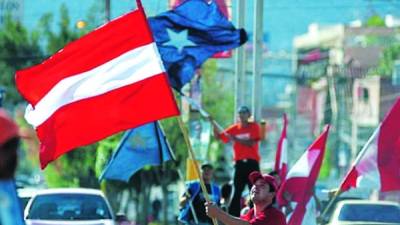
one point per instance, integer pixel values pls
(145, 145)
(208, 32)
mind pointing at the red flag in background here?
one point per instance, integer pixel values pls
(281, 162)
(301, 179)
(377, 164)
(110, 80)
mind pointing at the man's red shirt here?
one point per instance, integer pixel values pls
(269, 216)
(249, 132)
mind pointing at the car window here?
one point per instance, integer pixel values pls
(371, 212)
(69, 207)
(24, 201)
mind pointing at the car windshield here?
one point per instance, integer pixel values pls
(370, 213)
(24, 201)
(69, 207)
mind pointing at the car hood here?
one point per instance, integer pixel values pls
(62, 222)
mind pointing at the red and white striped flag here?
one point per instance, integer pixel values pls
(281, 162)
(377, 164)
(302, 177)
(110, 80)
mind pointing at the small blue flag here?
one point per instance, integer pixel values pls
(145, 145)
(207, 32)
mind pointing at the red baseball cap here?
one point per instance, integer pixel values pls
(255, 175)
(8, 128)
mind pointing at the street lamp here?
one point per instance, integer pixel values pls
(80, 24)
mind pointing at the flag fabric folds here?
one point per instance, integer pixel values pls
(191, 171)
(377, 164)
(223, 7)
(145, 145)
(281, 162)
(110, 80)
(208, 30)
(302, 177)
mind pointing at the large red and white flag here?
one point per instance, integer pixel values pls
(281, 162)
(377, 164)
(302, 177)
(110, 80)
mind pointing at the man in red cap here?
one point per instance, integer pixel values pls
(262, 194)
(10, 209)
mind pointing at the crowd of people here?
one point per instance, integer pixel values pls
(225, 204)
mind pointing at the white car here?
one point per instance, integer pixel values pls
(25, 194)
(364, 212)
(69, 206)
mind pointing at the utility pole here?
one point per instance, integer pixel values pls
(240, 61)
(2, 94)
(107, 7)
(257, 58)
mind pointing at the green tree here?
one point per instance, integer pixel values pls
(67, 31)
(217, 94)
(218, 100)
(391, 46)
(75, 169)
(18, 49)
(387, 59)
(375, 21)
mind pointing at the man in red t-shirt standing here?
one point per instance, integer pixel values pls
(262, 194)
(245, 136)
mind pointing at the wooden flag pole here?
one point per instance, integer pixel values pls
(196, 166)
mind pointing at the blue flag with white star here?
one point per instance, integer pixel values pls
(190, 34)
(141, 146)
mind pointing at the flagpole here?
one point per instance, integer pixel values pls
(240, 60)
(257, 58)
(196, 166)
(365, 147)
(139, 4)
(158, 141)
(356, 161)
(162, 170)
(330, 203)
(107, 10)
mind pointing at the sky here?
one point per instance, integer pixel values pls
(283, 19)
